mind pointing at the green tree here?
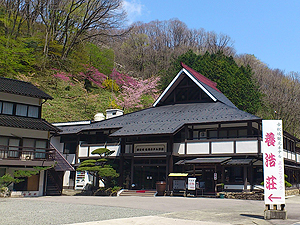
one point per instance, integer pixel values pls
(8, 179)
(234, 81)
(100, 168)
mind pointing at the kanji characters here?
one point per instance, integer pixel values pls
(270, 160)
(270, 139)
(270, 182)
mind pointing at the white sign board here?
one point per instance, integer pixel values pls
(272, 149)
(191, 184)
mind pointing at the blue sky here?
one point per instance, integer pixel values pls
(268, 29)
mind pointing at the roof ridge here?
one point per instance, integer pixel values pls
(20, 87)
(201, 77)
(21, 81)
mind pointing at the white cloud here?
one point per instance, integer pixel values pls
(134, 10)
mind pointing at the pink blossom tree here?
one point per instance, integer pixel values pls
(134, 94)
(122, 79)
(92, 75)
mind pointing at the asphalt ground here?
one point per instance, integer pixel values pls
(90, 210)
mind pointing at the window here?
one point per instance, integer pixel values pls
(13, 148)
(41, 146)
(3, 142)
(232, 133)
(7, 108)
(70, 148)
(10, 108)
(212, 133)
(33, 111)
(223, 134)
(28, 145)
(21, 110)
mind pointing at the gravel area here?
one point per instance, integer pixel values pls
(30, 211)
(128, 210)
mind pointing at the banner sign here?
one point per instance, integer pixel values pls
(272, 149)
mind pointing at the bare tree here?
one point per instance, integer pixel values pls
(166, 41)
(90, 18)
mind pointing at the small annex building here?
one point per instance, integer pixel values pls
(192, 128)
(25, 139)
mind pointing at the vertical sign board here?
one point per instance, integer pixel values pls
(191, 184)
(215, 176)
(272, 149)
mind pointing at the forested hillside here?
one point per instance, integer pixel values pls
(82, 54)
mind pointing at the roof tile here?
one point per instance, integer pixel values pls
(18, 87)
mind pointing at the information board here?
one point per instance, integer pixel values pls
(273, 162)
(191, 184)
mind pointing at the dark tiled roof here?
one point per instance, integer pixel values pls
(239, 162)
(21, 88)
(26, 123)
(166, 119)
(219, 96)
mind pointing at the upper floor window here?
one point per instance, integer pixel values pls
(18, 109)
(7, 108)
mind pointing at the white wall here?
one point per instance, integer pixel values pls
(222, 147)
(246, 147)
(198, 148)
(218, 147)
(83, 150)
(55, 141)
(66, 181)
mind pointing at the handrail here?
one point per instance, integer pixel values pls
(16, 152)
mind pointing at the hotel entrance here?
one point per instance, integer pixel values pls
(146, 172)
(145, 177)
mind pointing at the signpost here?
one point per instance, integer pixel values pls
(273, 164)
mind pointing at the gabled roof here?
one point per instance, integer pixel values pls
(166, 119)
(200, 77)
(208, 86)
(26, 123)
(21, 88)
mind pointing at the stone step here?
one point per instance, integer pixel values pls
(145, 193)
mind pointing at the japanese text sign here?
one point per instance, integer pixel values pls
(191, 183)
(272, 150)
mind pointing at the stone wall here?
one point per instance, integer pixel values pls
(244, 195)
(255, 195)
(292, 191)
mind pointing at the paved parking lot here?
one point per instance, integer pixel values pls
(89, 210)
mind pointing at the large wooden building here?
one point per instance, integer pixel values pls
(25, 139)
(192, 128)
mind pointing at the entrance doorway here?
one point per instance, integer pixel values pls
(145, 177)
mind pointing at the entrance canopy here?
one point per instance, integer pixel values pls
(243, 162)
(207, 160)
